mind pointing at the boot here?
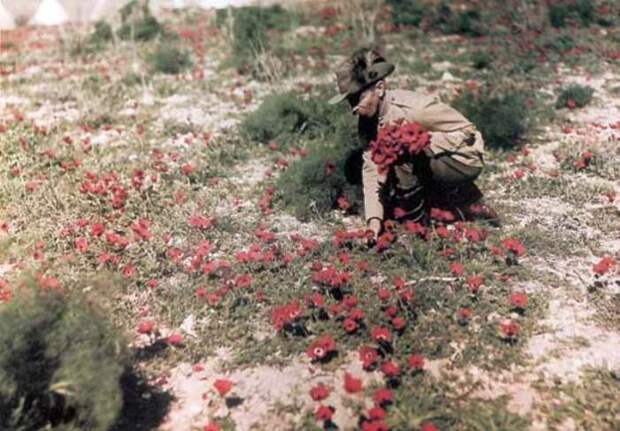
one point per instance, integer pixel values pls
(481, 211)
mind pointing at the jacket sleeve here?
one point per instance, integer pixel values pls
(373, 182)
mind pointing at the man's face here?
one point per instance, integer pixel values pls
(367, 103)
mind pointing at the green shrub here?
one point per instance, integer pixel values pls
(563, 12)
(249, 31)
(138, 24)
(286, 117)
(169, 59)
(60, 365)
(102, 34)
(502, 119)
(406, 12)
(580, 95)
(468, 22)
(481, 59)
(312, 185)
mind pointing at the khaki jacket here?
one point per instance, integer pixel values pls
(451, 135)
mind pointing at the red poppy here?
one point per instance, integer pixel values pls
(428, 426)
(383, 396)
(350, 325)
(390, 369)
(519, 300)
(416, 362)
(604, 265)
(175, 339)
(321, 347)
(324, 413)
(399, 323)
(514, 245)
(319, 392)
(212, 427)
(369, 357)
(474, 282)
(509, 329)
(464, 314)
(146, 327)
(351, 384)
(457, 269)
(223, 386)
(81, 245)
(376, 413)
(381, 334)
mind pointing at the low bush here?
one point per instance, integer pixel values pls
(564, 12)
(138, 24)
(575, 96)
(406, 12)
(311, 187)
(287, 117)
(467, 23)
(481, 59)
(102, 34)
(60, 365)
(250, 25)
(169, 59)
(502, 119)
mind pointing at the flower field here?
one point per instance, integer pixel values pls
(210, 224)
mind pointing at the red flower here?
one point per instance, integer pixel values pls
(321, 347)
(474, 282)
(129, 271)
(81, 244)
(442, 215)
(416, 362)
(509, 329)
(383, 396)
(399, 323)
(146, 327)
(604, 265)
(97, 229)
(381, 334)
(319, 392)
(383, 294)
(390, 369)
(369, 357)
(350, 325)
(376, 413)
(428, 426)
(343, 203)
(324, 413)
(514, 245)
(464, 314)
(457, 269)
(375, 425)
(201, 222)
(223, 386)
(519, 300)
(351, 384)
(212, 427)
(175, 339)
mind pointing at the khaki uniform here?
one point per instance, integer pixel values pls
(455, 154)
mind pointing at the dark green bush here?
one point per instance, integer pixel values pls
(138, 24)
(102, 34)
(467, 23)
(60, 365)
(579, 94)
(502, 119)
(312, 185)
(481, 59)
(287, 117)
(169, 59)
(566, 11)
(249, 31)
(406, 12)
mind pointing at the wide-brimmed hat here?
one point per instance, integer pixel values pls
(365, 67)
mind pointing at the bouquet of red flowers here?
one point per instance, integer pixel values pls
(396, 140)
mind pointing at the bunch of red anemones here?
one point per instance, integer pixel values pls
(396, 140)
(322, 348)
